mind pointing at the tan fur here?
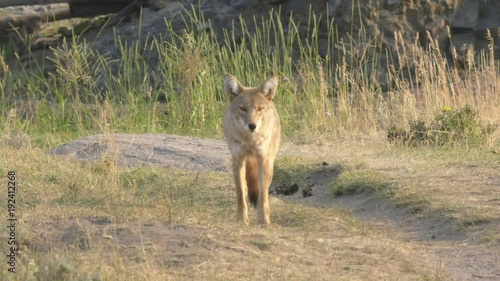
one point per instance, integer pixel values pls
(253, 151)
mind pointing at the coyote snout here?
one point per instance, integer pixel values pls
(252, 132)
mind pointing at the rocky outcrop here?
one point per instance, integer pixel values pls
(474, 26)
(467, 24)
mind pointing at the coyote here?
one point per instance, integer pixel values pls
(252, 130)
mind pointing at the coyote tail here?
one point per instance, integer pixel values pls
(252, 177)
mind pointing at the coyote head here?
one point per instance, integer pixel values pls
(251, 106)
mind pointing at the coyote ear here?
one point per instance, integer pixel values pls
(232, 87)
(269, 87)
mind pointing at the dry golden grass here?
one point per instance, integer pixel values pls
(347, 93)
(97, 221)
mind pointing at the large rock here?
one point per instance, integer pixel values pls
(241, 4)
(161, 150)
(333, 7)
(151, 149)
(467, 16)
(438, 32)
(464, 44)
(491, 23)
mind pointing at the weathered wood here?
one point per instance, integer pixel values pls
(77, 8)
(47, 16)
(8, 3)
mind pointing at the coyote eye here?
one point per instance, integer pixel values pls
(259, 108)
(242, 108)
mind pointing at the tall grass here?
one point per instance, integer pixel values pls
(347, 92)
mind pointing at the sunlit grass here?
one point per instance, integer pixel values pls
(340, 94)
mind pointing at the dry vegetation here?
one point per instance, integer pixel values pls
(98, 221)
(83, 221)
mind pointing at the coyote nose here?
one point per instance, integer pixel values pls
(252, 126)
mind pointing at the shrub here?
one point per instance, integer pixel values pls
(449, 127)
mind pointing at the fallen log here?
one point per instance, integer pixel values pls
(22, 19)
(9, 3)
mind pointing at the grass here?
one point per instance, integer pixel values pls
(95, 221)
(293, 169)
(447, 156)
(449, 128)
(352, 182)
(361, 180)
(334, 95)
(472, 219)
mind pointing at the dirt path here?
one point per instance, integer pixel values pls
(434, 237)
(434, 240)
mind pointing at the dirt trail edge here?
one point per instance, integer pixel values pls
(435, 240)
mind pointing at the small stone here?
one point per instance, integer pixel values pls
(306, 192)
(287, 190)
(109, 237)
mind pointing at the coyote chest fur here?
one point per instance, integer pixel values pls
(252, 131)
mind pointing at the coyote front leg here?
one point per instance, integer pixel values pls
(241, 188)
(265, 168)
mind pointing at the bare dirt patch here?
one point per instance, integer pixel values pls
(170, 245)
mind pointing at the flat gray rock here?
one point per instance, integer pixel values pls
(467, 16)
(151, 149)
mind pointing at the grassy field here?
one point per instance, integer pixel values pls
(338, 95)
(81, 221)
(100, 221)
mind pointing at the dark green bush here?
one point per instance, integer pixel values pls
(449, 127)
